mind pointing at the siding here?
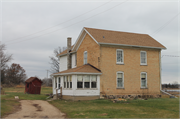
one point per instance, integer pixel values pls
(73, 60)
(63, 63)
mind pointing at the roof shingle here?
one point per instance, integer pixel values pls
(87, 68)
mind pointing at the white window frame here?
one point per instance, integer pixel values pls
(146, 79)
(145, 60)
(123, 79)
(85, 62)
(122, 56)
(83, 82)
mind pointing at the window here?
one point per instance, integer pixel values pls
(85, 57)
(93, 81)
(64, 82)
(67, 81)
(143, 80)
(70, 81)
(59, 82)
(79, 82)
(55, 82)
(120, 80)
(119, 56)
(143, 58)
(86, 81)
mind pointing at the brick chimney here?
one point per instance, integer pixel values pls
(68, 53)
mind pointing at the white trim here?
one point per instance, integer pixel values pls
(131, 45)
(140, 58)
(146, 79)
(116, 78)
(122, 56)
(86, 57)
(91, 36)
(71, 73)
(160, 67)
(66, 54)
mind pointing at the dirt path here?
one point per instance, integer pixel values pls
(37, 109)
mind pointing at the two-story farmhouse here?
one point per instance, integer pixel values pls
(110, 63)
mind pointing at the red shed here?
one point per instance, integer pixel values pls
(33, 85)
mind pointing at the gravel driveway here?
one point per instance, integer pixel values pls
(37, 109)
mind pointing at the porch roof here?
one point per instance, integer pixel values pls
(84, 69)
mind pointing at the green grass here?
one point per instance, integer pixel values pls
(151, 108)
(8, 102)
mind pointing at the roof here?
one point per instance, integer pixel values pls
(110, 37)
(124, 38)
(31, 79)
(65, 51)
(84, 69)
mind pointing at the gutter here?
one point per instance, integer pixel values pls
(59, 74)
(132, 45)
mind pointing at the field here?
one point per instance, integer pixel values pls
(9, 104)
(151, 108)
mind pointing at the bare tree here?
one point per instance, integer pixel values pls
(54, 60)
(4, 56)
(4, 59)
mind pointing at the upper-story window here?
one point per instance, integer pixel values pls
(119, 56)
(143, 57)
(120, 79)
(85, 57)
(143, 80)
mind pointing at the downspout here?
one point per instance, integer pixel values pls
(160, 68)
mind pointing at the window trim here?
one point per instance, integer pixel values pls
(145, 60)
(122, 56)
(86, 58)
(83, 82)
(146, 79)
(123, 79)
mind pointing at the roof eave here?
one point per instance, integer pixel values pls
(132, 45)
(66, 54)
(73, 73)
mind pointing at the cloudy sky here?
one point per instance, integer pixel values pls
(32, 29)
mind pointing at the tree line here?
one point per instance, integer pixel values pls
(13, 74)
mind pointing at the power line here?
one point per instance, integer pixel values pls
(165, 24)
(59, 23)
(71, 24)
(170, 56)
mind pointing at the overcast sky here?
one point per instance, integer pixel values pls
(21, 19)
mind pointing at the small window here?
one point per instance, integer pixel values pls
(86, 81)
(143, 80)
(64, 82)
(119, 56)
(85, 57)
(79, 82)
(120, 80)
(143, 58)
(59, 82)
(70, 81)
(93, 81)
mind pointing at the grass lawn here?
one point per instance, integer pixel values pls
(8, 103)
(151, 108)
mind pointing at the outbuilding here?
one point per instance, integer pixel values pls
(33, 85)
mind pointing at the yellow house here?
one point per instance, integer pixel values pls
(109, 63)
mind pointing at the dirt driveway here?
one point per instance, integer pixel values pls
(37, 109)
